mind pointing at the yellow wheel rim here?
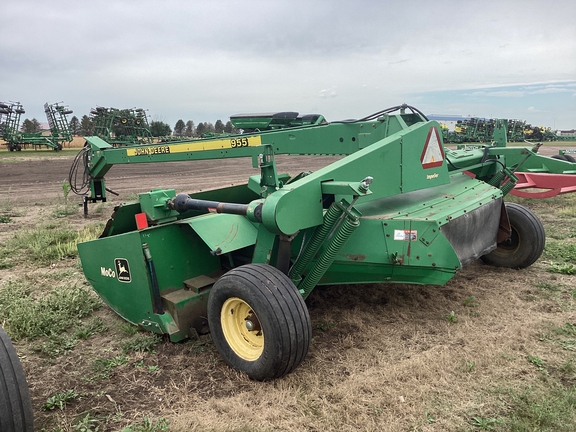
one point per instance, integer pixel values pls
(241, 329)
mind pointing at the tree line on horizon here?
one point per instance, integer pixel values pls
(85, 127)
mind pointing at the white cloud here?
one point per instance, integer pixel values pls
(506, 93)
(551, 90)
(327, 93)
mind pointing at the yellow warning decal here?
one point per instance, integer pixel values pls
(194, 146)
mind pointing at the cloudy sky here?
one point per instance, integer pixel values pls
(204, 60)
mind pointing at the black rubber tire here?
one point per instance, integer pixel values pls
(560, 157)
(280, 311)
(526, 243)
(15, 404)
(569, 158)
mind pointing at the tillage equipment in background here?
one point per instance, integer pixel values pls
(56, 114)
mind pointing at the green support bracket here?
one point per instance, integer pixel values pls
(428, 236)
(269, 181)
(154, 204)
(346, 188)
(264, 246)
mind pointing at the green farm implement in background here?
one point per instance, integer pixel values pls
(10, 122)
(537, 176)
(121, 127)
(16, 140)
(480, 130)
(516, 130)
(396, 207)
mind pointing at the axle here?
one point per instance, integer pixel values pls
(183, 203)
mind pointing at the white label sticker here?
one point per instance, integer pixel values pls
(405, 235)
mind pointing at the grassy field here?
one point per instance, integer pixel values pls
(8, 156)
(77, 142)
(493, 350)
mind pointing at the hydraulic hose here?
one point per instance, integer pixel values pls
(79, 182)
(386, 111)
(156, 299)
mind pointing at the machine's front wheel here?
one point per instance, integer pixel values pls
(259, 321)
(526, 241)
(15, 404)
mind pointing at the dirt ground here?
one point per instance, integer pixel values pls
(383, 357)
(30, 180)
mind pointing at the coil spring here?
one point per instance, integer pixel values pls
(330, 218)
(340, 237)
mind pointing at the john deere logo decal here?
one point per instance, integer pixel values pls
(122, 270)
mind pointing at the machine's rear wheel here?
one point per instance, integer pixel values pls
(526, 241)
(15, 404)
(564, 157)
(259, 321)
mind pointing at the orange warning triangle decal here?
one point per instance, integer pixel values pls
(433, 153)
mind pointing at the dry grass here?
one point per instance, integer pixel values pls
(385, 358)
(77, 142)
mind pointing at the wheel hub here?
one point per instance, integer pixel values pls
(252, 323)
(242, 329)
